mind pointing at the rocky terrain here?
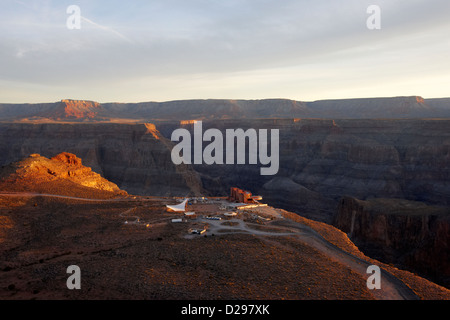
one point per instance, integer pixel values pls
(63, 174)
(135, 157)
(320, 160)
(389, 148)
(406, 233)
(127, 248)
(69, 110)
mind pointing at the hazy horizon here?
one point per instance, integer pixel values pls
(206, 99)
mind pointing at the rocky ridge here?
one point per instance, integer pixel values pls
(320, 160)
(150, 259)
(69, 110)
(346, 153)
(409, 234)
(64, 173)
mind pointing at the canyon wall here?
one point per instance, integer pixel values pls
(135, 157)
(412, 107)
(323, 160)
(320, 160)
(409, 234)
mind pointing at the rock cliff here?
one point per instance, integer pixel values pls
(63, 174)
(409, 234)
(320, 160)
(346, 153)
(323, 160)
(68, 110)
(135, 157)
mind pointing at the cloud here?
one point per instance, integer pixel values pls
(107, 29)
(298, 44)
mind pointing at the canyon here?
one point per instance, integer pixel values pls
(330, 151)
(405, 233)
(320, 160)
(127, 247)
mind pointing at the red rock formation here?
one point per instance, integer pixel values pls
(73, 110)
(63, 174)
(79, 109)
(68, 158)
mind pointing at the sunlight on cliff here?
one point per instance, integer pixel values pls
(151, 128)
(80, 108)
(187, 122)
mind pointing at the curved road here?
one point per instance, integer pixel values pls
(392, 287)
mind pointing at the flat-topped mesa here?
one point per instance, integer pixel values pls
(80, 102)
(79, 109)
(70, 110)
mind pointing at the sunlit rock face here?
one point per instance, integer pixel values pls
(328, 149)
(63, 174)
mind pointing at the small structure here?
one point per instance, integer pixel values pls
(190, 215)
(177, 220)
(238, 195)
(177, 208)
(234, 206)
(196, 231)
(242, 196)
(230, 214)
(250, 206)
(213, 218)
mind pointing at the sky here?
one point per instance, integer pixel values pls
(162, 50)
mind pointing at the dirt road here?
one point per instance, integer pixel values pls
(391, 287)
